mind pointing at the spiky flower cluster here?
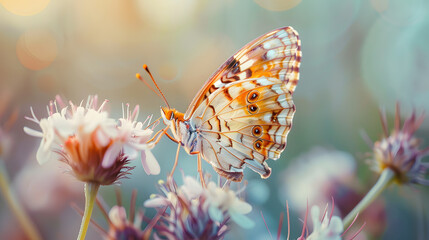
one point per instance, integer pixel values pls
(400, 151)
(193, 212)
(95, 146)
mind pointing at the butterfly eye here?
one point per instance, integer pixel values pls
(258, 144)
(257, 131)
(253, 96)
(252, 108)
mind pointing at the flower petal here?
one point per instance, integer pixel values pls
(215, 213)
(241, 220)
(241, 206)
(336, 225)
(111, 154)
(315, 216)
(155, 202)
(131, 152)
(191, 187)
(44, 154)
(32, 132)
(149, 162)
(118, 216)
(101, 138)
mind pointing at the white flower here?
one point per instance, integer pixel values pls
(225, 200)
(51, 137)
(197, 211)
(191, 187)
(132, 138)
(329, 228)
(90, 141)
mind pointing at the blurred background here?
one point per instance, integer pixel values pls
(358, 56)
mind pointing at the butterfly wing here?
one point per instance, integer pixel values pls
(244, 112)
(248, 129)
(276, 54)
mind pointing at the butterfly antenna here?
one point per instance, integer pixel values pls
(138, 76)
(156, 85)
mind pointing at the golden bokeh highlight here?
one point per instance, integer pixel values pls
(277, 5)
(36, 49)
(25, 7)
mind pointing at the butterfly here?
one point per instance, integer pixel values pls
(242, 115)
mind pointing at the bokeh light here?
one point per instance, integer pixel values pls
(25, 7)
(36, 49)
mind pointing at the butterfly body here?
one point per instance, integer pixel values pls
(184, 131)
(242, 115)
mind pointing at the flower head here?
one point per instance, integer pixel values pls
(327, 226)
(120, 227)
(134, 137)
(400, 151)
(88, 140)
(194, 212)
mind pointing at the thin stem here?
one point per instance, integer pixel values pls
(15, 206)
(91, 190)
(383, 181)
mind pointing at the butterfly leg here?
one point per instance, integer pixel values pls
(201, 171)
(175, 161)
(171, 138)
(157, 137)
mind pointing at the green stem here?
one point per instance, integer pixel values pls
(91, 190)
(383, 181)
(15, 206)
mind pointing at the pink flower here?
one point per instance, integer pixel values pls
(133, 137)
(193, 212)
(400, 151)
(89, 141)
